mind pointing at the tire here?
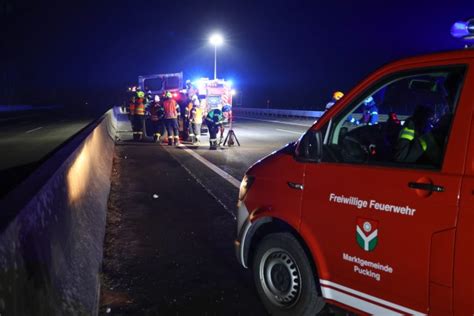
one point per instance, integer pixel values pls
(284, 278)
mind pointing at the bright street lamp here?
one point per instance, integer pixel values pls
(216, 40)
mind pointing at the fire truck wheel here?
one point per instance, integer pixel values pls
(284, 278)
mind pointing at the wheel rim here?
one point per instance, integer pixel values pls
(280, 277)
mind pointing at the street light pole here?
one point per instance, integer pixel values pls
(215, 61)
(216, 40)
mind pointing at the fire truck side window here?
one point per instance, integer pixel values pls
(403, 121)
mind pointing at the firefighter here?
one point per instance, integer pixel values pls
(214, 121)
(139, 116)
(188, 85)
(370, 114)
(187, 116)
(415, 140)
(157, 114)
(227, 112)
(131, 108)
(196, 122)
(149, 100)
(171, 114)
(335, 97)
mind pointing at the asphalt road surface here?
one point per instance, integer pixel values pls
(28, 136)
(171, 225)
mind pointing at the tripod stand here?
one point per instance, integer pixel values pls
(231, 138)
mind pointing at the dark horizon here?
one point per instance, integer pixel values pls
(294, 54)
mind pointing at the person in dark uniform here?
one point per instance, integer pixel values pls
(214, 121)
(416, 140)
(157, 115)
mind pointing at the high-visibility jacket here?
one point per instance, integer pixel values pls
(187, 110)
(140, 106)
(131, 108)
(411, 145)
(196, 115)
(215, 117)
(156, 112)
(171, 109)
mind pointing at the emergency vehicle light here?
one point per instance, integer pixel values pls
(463, 29)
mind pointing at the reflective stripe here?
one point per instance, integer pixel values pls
(373, 113)
(362, 301)
(407, 137)
(407, 133)
(212, 139)
(423, 144)
(140, 109)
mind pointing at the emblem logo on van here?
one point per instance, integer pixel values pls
(367, 233)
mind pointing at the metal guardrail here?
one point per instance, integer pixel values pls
(278, 112)
(299, 113)
(284, 113)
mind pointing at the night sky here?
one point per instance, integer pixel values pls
(293, 53)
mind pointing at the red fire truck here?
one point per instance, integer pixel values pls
(214, 94)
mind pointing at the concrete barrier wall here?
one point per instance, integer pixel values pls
(53, 227)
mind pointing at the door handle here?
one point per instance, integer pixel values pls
(426, 186)
(296, 186)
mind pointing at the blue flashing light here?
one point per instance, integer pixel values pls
(459, 29)
(463, 29)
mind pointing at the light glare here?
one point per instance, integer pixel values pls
(216, 39)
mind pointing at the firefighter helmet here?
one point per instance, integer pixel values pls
(140, 94)
(337, 95)
(369, 101)
(169, 95)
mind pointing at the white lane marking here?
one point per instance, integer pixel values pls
(284, 130)
(213, 167)
(34, 129)
(369, 297)
(207, 189)
(273, 121)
